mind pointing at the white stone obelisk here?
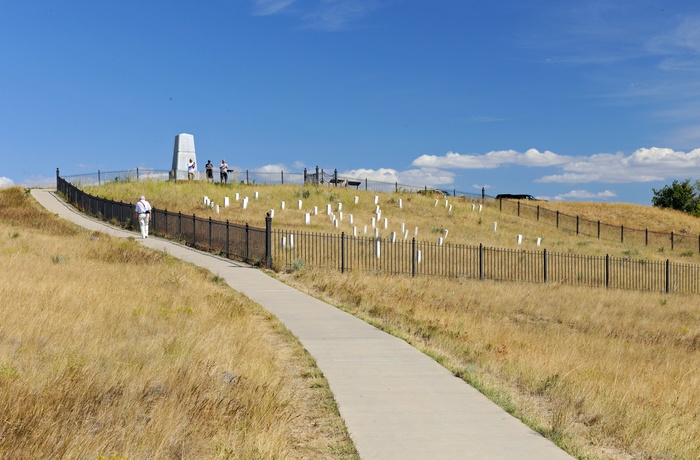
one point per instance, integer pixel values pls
(182, 152)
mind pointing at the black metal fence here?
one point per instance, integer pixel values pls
(580, 226)
(235, 241)
(284, 249)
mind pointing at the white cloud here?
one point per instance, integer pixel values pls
(490, 160)
(643, 165)
(418, 177)
(273, 168)
(6, 182)
(584, 195)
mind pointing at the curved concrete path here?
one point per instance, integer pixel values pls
(397, 403)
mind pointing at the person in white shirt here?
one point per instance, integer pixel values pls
(223, 172)
(191, 168)
(143, 211)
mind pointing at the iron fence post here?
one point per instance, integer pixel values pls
(481, 261)
(544, 265)
(268, 241)
(194, 231)
(342, 252)
(247, 242)
(577, 225)
(672, 242)
(622, 233)
(607, 270)
(668, 276)
(228, 253)
(598, 229)
(413, 256)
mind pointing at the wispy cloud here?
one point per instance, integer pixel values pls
(326, 15)
(268, 7)
(6, 182)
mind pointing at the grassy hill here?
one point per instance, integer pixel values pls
(464, 220)
(604, 373)
(110, 350)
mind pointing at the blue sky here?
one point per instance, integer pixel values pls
(565, 100)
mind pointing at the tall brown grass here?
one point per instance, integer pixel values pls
(606, 374)
(110, 350)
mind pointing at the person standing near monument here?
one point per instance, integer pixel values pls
(223, 172)
(143, 211)
(210, 171)
(190, 169)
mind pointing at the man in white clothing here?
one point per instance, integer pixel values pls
(143, 211)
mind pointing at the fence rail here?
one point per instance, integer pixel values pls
(600, 230)
(286, 249)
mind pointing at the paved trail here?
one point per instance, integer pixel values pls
(396, 402)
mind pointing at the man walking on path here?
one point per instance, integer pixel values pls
(143, 211)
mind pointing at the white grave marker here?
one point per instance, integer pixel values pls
(284, 241)
(539, 241)
(374, 222)
(378, 248)
(386, 223)
(392, 235)
(272, 213)
(340, 207)
(419, 255)
(282, 206)
(520, 239)
(237, 196)
(328, 209)
(354, 231)
(400, 203)
(291, 241)
(245, 203)
(256, 195)
(226, 202)
(440, 241)
(357, 199)
(315, 210)
(350, 218)
(376, 199)
(299, 203)
(495, 226)
(217, 209)
(307, 218)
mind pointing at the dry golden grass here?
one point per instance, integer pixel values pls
(431, 214)
(606, 374)
(111, 350)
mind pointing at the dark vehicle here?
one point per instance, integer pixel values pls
(510, 196)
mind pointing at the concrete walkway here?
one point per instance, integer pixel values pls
(396, 402)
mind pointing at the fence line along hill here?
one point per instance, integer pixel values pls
(399, 233)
